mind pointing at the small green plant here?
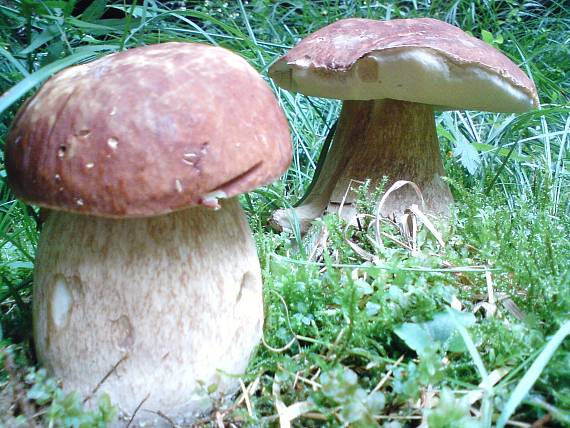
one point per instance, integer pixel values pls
(354, 406)
(366, 200)
(413, 378)
(451, 412)
(41, 400)
(66, 409)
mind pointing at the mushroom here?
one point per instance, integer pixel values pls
(140, 286)
(391, 76)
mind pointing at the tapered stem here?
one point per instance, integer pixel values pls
(374, 139)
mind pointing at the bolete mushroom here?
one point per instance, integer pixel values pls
(391, 76)
(139, 283)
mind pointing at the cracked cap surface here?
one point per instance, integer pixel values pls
(146, 132)
(419, 60)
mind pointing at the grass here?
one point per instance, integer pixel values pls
(356, 333)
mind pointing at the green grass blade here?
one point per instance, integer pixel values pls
(14, 62)
(472, 349)
(34, 79)
(530, 377)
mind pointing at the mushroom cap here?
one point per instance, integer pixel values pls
(148, 131)
(419, 60)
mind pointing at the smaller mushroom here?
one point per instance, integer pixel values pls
(141, 290)
(392, 76)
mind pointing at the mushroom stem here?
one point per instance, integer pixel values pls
(176, 300)
(374, 139)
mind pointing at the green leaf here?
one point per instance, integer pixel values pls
(91, 26)
(415, 337)
(468, 154)
(443, 328)
(444, 133)
(487, 36)
(19, 264)
(45, 36)
(94, 11)
(363, 288)
(440, 330)
(501, 151)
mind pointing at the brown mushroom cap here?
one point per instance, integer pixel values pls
(419, 60)
(146, 132)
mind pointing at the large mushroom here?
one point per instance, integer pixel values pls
(391, 76)
(140, 286)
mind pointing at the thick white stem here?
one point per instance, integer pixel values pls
(176, 299)
(374, 139)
